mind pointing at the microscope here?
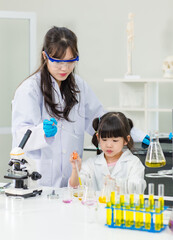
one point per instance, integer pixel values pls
(23, 172)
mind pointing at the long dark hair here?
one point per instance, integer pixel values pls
(112, 124)
(56, 42)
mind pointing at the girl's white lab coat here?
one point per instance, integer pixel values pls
(52, 154)
(127, 167)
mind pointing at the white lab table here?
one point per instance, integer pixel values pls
(50, 219)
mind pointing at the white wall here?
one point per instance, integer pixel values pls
(101, 29)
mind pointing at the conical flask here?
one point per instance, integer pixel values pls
(155, 157)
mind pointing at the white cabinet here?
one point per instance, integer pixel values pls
(148, 102)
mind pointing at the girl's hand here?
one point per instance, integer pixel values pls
(73, 158)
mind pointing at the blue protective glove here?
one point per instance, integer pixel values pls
(146, 141)
(50, 127)
(170, 136)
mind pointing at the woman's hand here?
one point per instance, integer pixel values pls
(50, 127)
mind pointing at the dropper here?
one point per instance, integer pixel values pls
(75, 156)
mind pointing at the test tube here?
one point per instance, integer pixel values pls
(131, 186)
(151, 195)
(147, 215)
(112, 198)
(158, 216)
(137, 215)
(123, 192)
(109, 213)
(161, 195)
(75, 156)
(127, 214)
(132, 189)
(123, 189)
(118, 220)
(140, 190)
(161, 200)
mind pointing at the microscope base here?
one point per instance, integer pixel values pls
(25, 193)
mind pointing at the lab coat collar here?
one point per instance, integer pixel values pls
(57, 89)
(100, 160)
(120, 163)
(54, 82)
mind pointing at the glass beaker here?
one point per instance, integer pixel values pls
(155, 157)
(108, 187)
(67, 195)
(171, 222)
(89, 197)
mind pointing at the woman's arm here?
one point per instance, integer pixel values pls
(27, 114)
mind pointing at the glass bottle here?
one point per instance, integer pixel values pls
(155, 157)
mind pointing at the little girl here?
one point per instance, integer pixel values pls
(112, 134)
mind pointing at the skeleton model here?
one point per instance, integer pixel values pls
(130, 42)
(168, 67)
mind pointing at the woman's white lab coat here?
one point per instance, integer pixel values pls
(128, 167)
(52, 154)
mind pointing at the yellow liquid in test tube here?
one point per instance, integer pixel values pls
(122, 201)
(141, 204)
(147, 218)
(128, 216)
(118, 215)
(137, 217)
(131, 213)
(161, 202)
(109, 213)
(113, 198)
(158, 220)
(131, 200)
(151, 201)
(141, 200)
(161, 205)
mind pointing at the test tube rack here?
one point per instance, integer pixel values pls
(152, 228)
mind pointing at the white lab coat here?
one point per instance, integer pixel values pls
(52, 154)
(128, 167)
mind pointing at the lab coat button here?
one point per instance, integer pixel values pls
(64, 151)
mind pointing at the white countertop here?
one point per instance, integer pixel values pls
(50, 219)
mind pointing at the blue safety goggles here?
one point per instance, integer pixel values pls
(59, 61)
